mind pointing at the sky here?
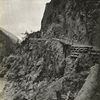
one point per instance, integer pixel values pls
(19, 16)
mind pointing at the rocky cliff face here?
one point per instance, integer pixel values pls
(75, 19)
(39, 69)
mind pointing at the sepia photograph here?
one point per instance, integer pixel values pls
(49, 49)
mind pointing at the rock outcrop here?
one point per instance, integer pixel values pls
(39, 69)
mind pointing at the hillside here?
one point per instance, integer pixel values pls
(43, 67)
(7, 46)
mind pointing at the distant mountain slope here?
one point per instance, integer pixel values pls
(8, 43)
(10, 35)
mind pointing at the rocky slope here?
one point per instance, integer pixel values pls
(7, 46)
(39, 69)
(75, 19)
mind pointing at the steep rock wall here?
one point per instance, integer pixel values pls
(75, 19)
